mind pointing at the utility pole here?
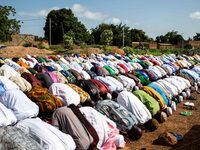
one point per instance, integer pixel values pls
(182, 41)
(63, 34)
(123, 37)
(49, 31)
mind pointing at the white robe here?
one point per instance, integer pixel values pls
(184, 81)
(13, 64)
(135, 106)
(196, 69)
(46, 135)
(8, 84)
(7, 116)
(65, 93)
(127, 82)
(63, 60)
(85, 75)
(169, 87)
(180, 83)
(19, 103)
(120, 86)
(112, 86)
(8, 71)
(101, 124)
(24, 85)
(56, 66)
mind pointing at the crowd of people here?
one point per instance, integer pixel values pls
(90, 102)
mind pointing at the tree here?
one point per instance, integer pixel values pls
(197, 37)
(138, 36)
(106, 37)
(189, 39)
(96, 32)
(188, 46)
(62, 21)
(8, 26)
(171, 37)
(130, 35)
(68, 41)
(117, 33)
(161, 39)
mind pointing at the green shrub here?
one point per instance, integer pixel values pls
(56, 47)
(83, 46)
(69, 42)
(96, 46)
(188, 46)
(128, 50)
(106, 37)
(40, 46)
(107, 50)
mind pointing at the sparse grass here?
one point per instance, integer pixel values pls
(157, 52)
(56, 47)
(59, 49)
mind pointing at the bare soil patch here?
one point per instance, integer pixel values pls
(20, 51)
(188, 126)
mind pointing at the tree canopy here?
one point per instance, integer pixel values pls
(106, 37)
(138, 35)
(68, 39)
(96, 32)
(63, 21)
(130, 35)
(171, 37)
(8, 25)
(197, 37)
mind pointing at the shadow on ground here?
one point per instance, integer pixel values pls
(191, 140)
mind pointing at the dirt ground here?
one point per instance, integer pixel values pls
(188, 126)
(20, 51)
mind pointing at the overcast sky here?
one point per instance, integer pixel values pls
(155, 17)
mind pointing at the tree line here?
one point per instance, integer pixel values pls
(65, 27)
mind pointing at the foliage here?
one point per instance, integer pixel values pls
(128, 50)
(197, 37)
(39, 39)
(57, 47)
(8, 25)
(62, 21)
(27, 44)
(171, 37)
(68, 39)
(96, 32)
(83, 46)
(40, 46)
(107, 50)
(138, 36)
(96, 46)
(129, 34)
(188, 46)
(158, 52)
(106, 37)
(117, 33)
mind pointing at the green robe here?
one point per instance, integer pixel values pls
(109, 69)
(151, 104)
(42, 59)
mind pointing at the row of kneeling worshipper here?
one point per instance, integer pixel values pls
(80, 102)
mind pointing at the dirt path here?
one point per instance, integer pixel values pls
(189, 127)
